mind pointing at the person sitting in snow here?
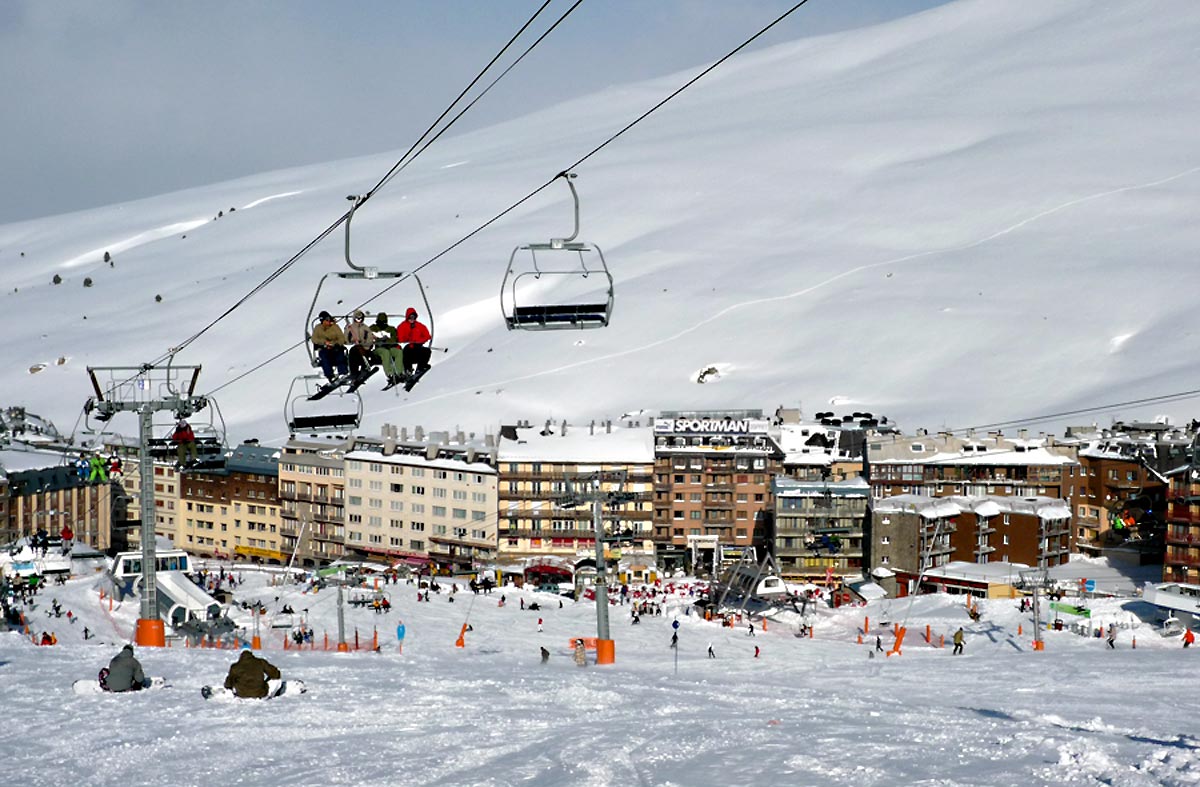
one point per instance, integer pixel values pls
(125, 673)
(248, 675)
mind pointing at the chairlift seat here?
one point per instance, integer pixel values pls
(334, 421)
(581, 315)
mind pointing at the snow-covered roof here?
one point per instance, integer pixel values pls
(623, 445)
(851, 487)
(978, 572)
(419, 460)
(980, 505)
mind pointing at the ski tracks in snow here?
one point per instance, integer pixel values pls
(721, 314)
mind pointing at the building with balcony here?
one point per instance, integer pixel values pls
(540, 464)
(945, 464)
(818, 528)
(127, 531)
(312, 488)
(912, 533)
(712, 485)
(1181, 563)
(53, 497)
(234, 512)
(425, 499)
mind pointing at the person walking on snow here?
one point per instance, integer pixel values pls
(750, 632)
(330, 343)
(400, 632)
(1112, 636)
(711, 654)
(756, 651)
(1188, 638)
(539, 624)
(413, 336)
(958, 642)
(878, 644)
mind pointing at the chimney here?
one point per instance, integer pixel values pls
(389, 445)
(383, 430)
(459, 437)
(470, 455)
(1022, 433)
(431, 452)
(419, 434)
(404, 434)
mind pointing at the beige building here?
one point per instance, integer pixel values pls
(53, 497)
(428, 498)
(536, 464)
(234, 512)
(312, 499)
(166, 497)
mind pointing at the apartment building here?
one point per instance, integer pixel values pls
(234, 512)
(425, 499)
(912, 532)
(818, 528)
(54, 496)
(540, 465)
(1182, 560)
(945, 464)
(712, 485)
(312, 487)
(166, 496)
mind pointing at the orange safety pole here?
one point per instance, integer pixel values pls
(860, 639)
(375, 638)
(810, 632)
(896, 629)
(461, 642)
(326, 640)
(764, 624)
(928, 633)
(941, 641)
(900, 632)
(1020, 629)
(866, 624)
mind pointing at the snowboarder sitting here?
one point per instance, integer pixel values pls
(413, 336)
(362, 343)
(545, 655)
(330, 344)
(248, 676)
(125, 673)
(185, 442)
(387, 352)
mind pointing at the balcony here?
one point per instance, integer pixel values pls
(580, 534)
(984, 550)
(723, 505)
(1182, 513)
(1176, 558)
(1182, 538)
(721, 487)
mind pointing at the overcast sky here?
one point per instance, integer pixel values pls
(121, 99)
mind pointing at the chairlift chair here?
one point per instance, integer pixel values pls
(359, 273)
(323, 418)
(523, 311)
(211, 447)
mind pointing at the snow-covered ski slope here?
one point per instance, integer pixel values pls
(980, 212)
(807, 712)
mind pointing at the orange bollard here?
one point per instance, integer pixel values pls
(326, 640)
(764, 624)
(256, 642)
(867, 624)
(895, 629)
(900, 632)
(928, 634)
(606, 651)
(810, 632)
(1020, 629)
(110, 603)
(375, 639)
(860, 639)
(941, 641)
(461, 642)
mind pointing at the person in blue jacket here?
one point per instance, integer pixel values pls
(400, 631)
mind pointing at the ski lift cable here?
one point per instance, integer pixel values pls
(561, 173)
(406, 159)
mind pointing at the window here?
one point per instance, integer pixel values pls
(885, 540)
(375, 502)
(418, 545)
(355, 500)
(459, 494)
(695, 514)
(1005, 541)
(418, 508)
(885, 560)
(397, 542)
(440, 492)
(356, 483)
(375, 467)
(376, 486)
(418, 472)
(418, 490)
(397, 470)
(678, 514)
(418, 526)
(460, 513)
(439, 510)
(352, 465)
(440, 474)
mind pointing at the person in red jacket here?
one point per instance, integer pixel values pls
(414, 337)
(66, 534)
(185, 441)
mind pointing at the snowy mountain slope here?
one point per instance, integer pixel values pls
(806, 711)
(976, 213)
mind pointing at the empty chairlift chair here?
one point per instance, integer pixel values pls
(536, 270)
(337, 412)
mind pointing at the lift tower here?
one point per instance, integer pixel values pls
(590, 489)
(146, 390)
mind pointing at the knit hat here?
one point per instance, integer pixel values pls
(323, 316)
(382, 318)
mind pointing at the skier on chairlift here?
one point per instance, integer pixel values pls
(362, 342)
(330, 343)
(387, 350)
(414, 336)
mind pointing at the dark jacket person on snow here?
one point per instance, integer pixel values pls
(248, 676)
(124, 672)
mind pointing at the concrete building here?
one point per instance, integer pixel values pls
(536, 464)
(912, 532)
(1182, 560)
(312, 488)
(54, 496)
(234, 512)
(428, 498)
(166, 497)
(945, 464)
(712, 485)
(818, 528)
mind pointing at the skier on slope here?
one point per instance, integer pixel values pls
(958, 642)
(248, 675)
(125, 672)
